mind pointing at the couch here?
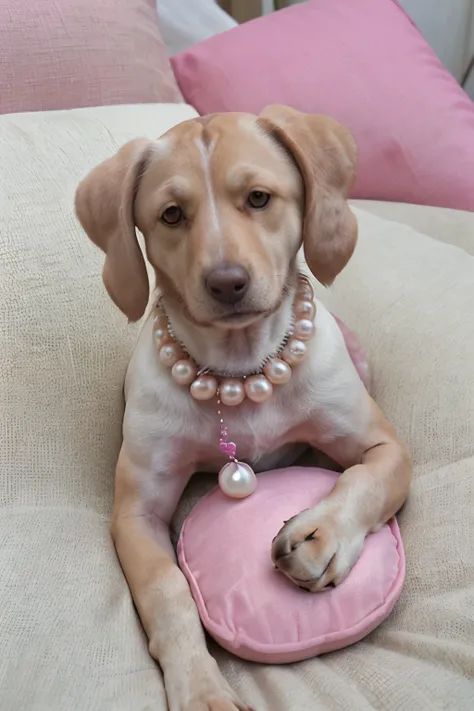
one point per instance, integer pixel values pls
(70, 639)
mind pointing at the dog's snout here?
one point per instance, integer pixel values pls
(228, 283)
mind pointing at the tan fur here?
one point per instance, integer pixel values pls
(208, 167)
(326, 155)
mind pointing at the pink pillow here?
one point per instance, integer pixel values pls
(364, 63)
(256, 612)
(62, 54)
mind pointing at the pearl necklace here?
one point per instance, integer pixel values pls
(238, 479)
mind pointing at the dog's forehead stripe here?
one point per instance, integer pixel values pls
(205, 153)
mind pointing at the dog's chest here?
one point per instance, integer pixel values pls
(265, 435)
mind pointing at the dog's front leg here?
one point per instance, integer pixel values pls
(318, 547)
(161, 594)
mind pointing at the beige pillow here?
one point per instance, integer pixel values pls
(69, 633)
(65, 346)
(450, 226)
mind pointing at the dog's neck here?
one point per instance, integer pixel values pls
(236, 352)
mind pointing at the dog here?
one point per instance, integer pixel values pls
(233, 200)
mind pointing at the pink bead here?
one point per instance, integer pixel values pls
(228, 448)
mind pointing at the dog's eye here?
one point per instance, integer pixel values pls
(258, 199)
(172, 216)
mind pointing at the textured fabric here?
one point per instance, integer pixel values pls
(69, 635)
(254, 610)
(72, 53)
(450, 226)
(364, 63)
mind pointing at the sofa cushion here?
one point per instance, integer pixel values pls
(70, 636)
(364, 63)
(60, 55)
(55, 309)
(451, 226)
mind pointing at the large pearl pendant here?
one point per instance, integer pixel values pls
(237, 480)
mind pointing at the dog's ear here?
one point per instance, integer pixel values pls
(105, 208)
(326, 155)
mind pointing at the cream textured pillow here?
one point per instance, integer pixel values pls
(65, 346)
(70, 638)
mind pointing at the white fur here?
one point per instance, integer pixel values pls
(206, 153)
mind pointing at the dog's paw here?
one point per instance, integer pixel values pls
(317, 548)
(204, 689)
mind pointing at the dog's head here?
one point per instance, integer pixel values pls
(224, 203)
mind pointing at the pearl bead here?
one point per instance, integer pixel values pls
(204, 387)
(305, 290)
(295, 352)
(184, 372)
(304, 309)
(161, 335)
(237, 480)
(170, 353)
(232, 392)
(304, 329)
(258, 388)
(160, 318)
(304, 294)
(277, 371)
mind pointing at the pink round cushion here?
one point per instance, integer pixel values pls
(253, 610)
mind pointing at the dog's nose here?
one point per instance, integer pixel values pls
(228, 283)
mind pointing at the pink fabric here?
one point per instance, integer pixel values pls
(356, 353)
(364, 63)
(73, 53)
(256, 612)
